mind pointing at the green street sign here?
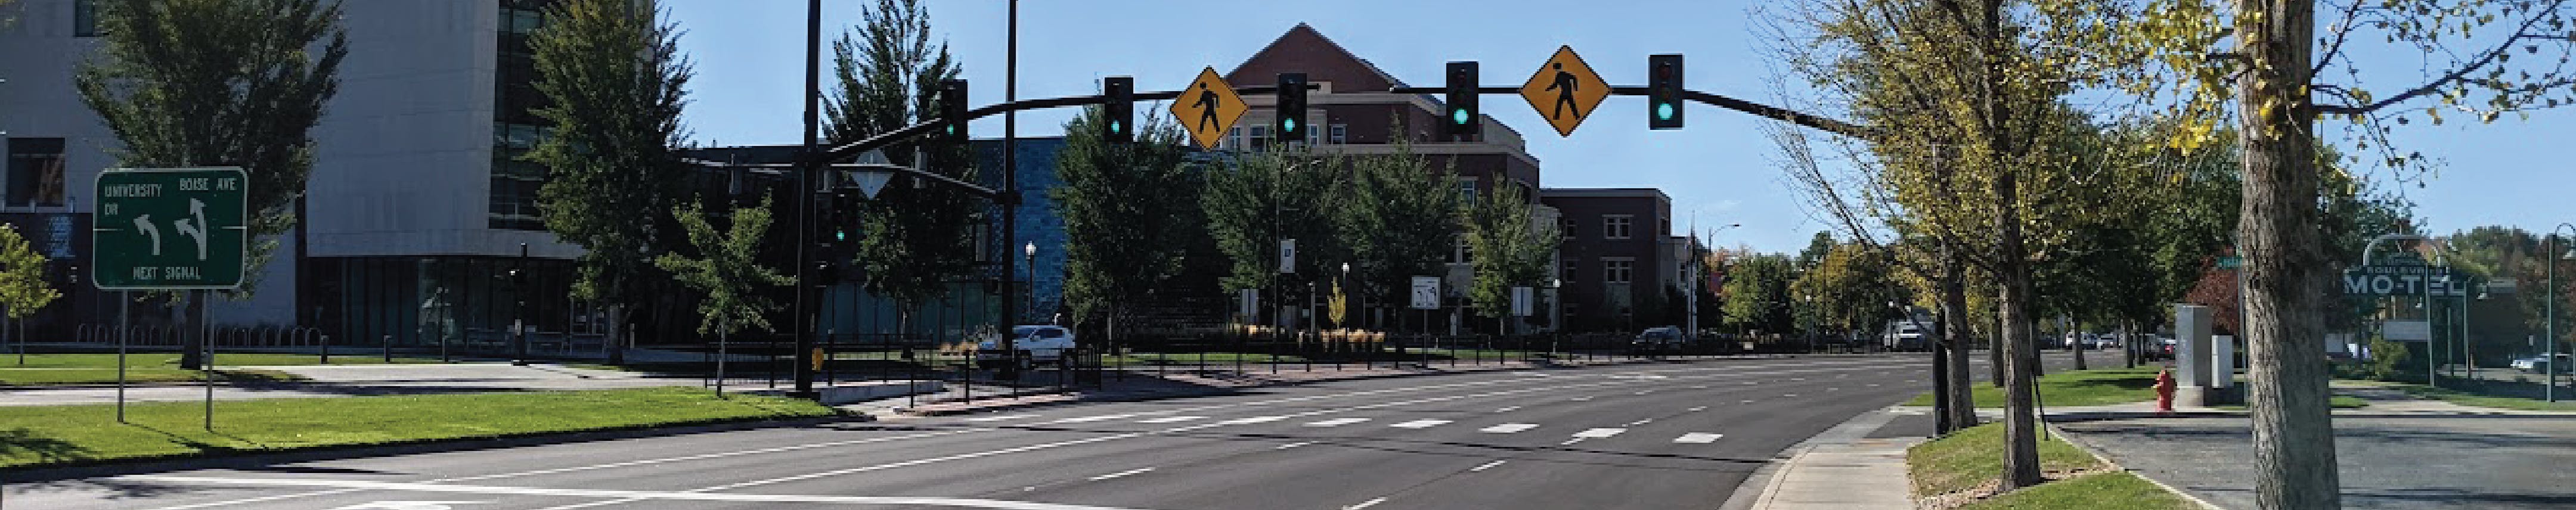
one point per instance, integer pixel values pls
(2231, 262)
(170, 229)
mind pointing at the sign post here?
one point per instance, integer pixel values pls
(170, 229)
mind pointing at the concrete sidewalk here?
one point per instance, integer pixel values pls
(1820, 473)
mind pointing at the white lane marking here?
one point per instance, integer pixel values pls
(1598, 433)
(1488, 465)
(410, 505)
(627, 495)
(1582, 398)
(1336, 422)
(1104, 417)
(1641, 422)
(1645, 392)
(1698, 437)
(1570, 441)
(1750, 383)
(1294, 445)
(1873, 385)
(1365, 504)
(1730, 372)
(1699, 408)
(1797, 378)
(1700, 387)
(1790, 395)
(1508, 428)
(1137, 471)
(1507, 409)
(1000, 418)
(1171, 419)
(1833, 389)
(1417, 424)
(1745, 402)
(1255, 419)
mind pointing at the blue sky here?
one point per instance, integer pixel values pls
(1720, 169)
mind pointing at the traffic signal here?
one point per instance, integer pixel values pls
(1664, 92)
(1291, 122)
(1463, 118)
(1118, 115)
(952, 110)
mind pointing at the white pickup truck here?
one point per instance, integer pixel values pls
(1036, 344)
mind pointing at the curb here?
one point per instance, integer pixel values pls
(195, 461)
(2115, 465)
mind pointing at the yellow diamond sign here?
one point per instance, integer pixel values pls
(1208, 108)
(1565, 90)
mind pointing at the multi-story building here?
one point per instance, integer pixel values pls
(1619, 255)
(416, 201)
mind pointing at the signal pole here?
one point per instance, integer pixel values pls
(812, 162)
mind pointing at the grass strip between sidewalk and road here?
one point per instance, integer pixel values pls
(2567, 402)
(2070, 388)
(157, 367)
(1972, 459)
(82, 434)
(2336, 402)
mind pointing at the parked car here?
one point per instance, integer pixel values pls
(1661, 337)
(1035, 344)
(2159, 349)
(2537, 364)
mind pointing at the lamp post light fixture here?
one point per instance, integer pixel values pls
(2549, 317)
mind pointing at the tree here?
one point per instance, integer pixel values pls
(23, 290)
(1850, 289)
(1756, 293)
(1127, 209)
(1507, 248)
(2263, 62)
(247, 93)
(1398, 218)
(726, 271)
(1969, 141)
(912, 237)
(1264, 197)
(614, 83)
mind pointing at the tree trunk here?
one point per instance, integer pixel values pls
(2286, 267)
(2021, 430)
(1954, 331)
(616, 335)
(2082, 341)
(1995, 356)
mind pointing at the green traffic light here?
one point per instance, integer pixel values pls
(1664, 111)
(1288, 124)
(1459, 116)
(1116, 127)
(840, 235)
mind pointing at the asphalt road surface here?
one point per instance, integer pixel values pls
(1650, 436)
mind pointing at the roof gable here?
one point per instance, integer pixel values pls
(1303, 49)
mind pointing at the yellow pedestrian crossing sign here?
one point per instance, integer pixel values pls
(1564, 90)
(1208, 108)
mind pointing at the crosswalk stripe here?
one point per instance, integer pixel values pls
(1698, 437)
(1416, 424)
(1508, 428)
(1336, 422)
(1172, 419)
(1104, 417)
(1256, 419)
(1599, 433)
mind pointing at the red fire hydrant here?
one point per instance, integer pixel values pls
(2164, 391)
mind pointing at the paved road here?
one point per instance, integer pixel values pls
(2388, 461)
(1669, 435)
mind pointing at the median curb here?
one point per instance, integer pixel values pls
(217, 460)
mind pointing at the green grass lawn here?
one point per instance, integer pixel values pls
(2466, 399)
(1974, 456)
(2098, 491)
(38, 435)
(2068, 388)
(57, 369)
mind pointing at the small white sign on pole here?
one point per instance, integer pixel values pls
(1426, 293)
(1251, 304)
(1522, 302)
(1287, 256)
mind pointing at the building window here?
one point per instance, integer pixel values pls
(1467, 191)
(1568, 225)
(35, 172)
(1616, 226)
(1617, 271)
(1459, 254)
(85, 18)
(1667, 226)
(1341, 134)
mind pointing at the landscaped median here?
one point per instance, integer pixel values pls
(159, 367)
(2070, 388)
(1961, 471)
(85, 434)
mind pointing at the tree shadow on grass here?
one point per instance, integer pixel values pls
(22, 442)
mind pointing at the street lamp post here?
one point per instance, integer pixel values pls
(2549, 301)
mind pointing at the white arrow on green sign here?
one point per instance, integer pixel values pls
(170, 228)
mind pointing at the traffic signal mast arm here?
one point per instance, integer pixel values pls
(853, 149)
(1758, 109)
